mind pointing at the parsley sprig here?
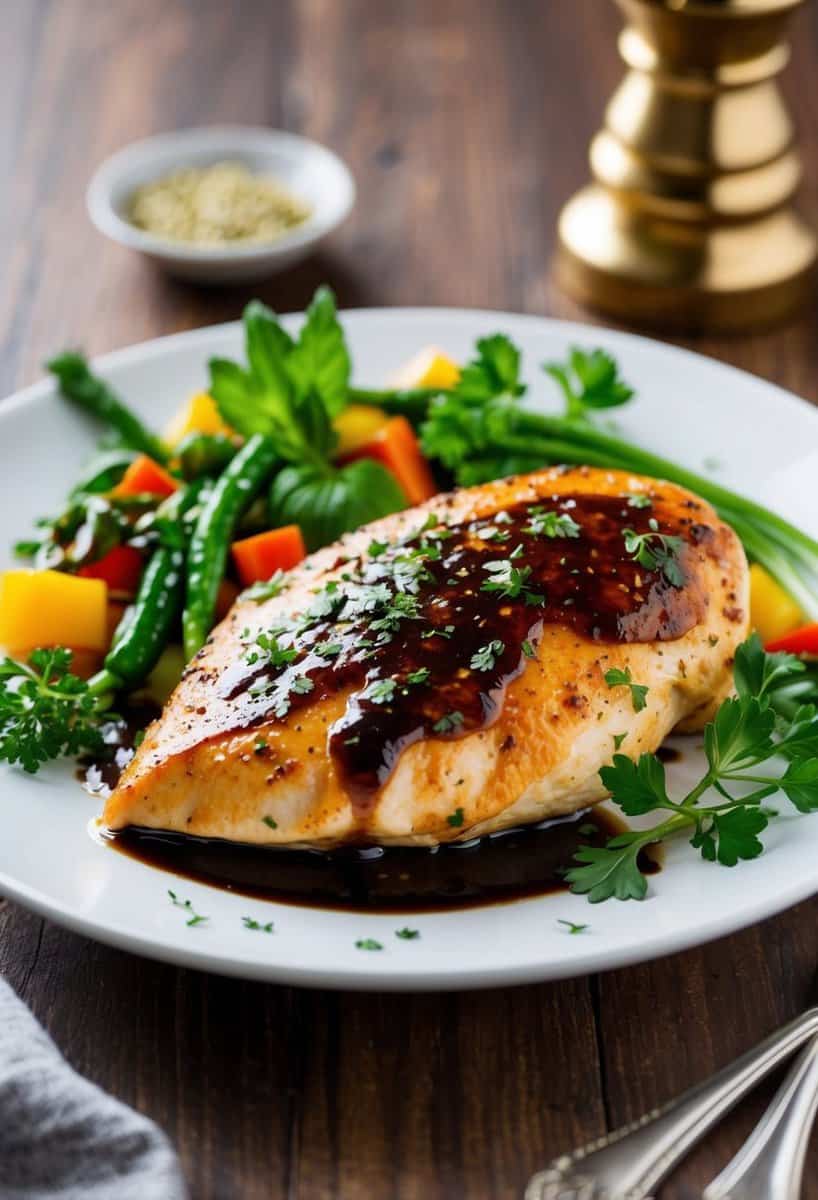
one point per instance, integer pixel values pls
(46, 711)
(588, 380)
(751, 737)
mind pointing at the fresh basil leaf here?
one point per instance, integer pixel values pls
(319, 361)
(326, 502)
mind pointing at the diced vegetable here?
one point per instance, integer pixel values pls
(52, 608)
(397, 448)
(357, 425)
(772, 612)
(121, 568)
(146, 477)
(800, 641)
(261, 556)
(198, 415)
(428, 368)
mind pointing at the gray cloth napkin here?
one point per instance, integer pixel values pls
(61, 1137)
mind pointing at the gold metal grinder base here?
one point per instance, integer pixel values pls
(688, 224)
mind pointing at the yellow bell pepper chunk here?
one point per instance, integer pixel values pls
(198, 415)
(773, 613)
(429, 368)
(49, 608)
(357, 425)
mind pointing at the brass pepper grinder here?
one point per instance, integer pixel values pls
(688, 223)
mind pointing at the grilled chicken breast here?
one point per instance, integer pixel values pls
(455, 669)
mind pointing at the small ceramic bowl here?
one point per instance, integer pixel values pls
(311, 172)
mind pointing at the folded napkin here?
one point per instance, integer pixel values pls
(61, 1137)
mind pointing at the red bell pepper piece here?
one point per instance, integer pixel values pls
(800, 641)
(121, 568)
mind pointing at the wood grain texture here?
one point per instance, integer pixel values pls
(466, 124)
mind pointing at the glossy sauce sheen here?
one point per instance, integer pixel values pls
(588, 582)
(500, 868)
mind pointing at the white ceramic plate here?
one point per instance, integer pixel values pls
(754, 436)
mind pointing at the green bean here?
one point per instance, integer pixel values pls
(412, 403)
(204, 454)
(145, 629)
(232, 494)
(90, 393)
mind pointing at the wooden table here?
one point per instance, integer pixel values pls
(465, 122)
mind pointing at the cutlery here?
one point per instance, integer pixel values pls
(770, 1164)
(628, 1163)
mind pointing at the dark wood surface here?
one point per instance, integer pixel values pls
(465, 122)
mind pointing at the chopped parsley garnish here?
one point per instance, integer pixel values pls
(571, 927)
(618, 739)
(375, 548)
(270, 822)
(449, 723)
(617, 677)
(639, 500)
(528, 649)
(260, 746)
(656, 552)
(368, 944)
(382, 691)
(408, 935)
(509, 581)
(486, 657)
(421, 675)
(551, 524)
(194, 918)
(268, 650)
(265, 589)
(252, 923)
(455, 819)
(327, 649)
(490, 533)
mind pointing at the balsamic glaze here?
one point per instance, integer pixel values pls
(500, 868)
(588, 582)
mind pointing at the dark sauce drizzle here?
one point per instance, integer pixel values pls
(587, 582)
(503, 867)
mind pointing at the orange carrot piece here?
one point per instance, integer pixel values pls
(146, 477)
(260, 556)
(397, 448)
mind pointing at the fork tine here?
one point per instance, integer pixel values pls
(629, 1163)
(770, 1164)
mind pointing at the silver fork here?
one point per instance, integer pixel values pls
(770, 1164)
(629, 1163)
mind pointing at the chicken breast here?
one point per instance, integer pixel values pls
(458, 668)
